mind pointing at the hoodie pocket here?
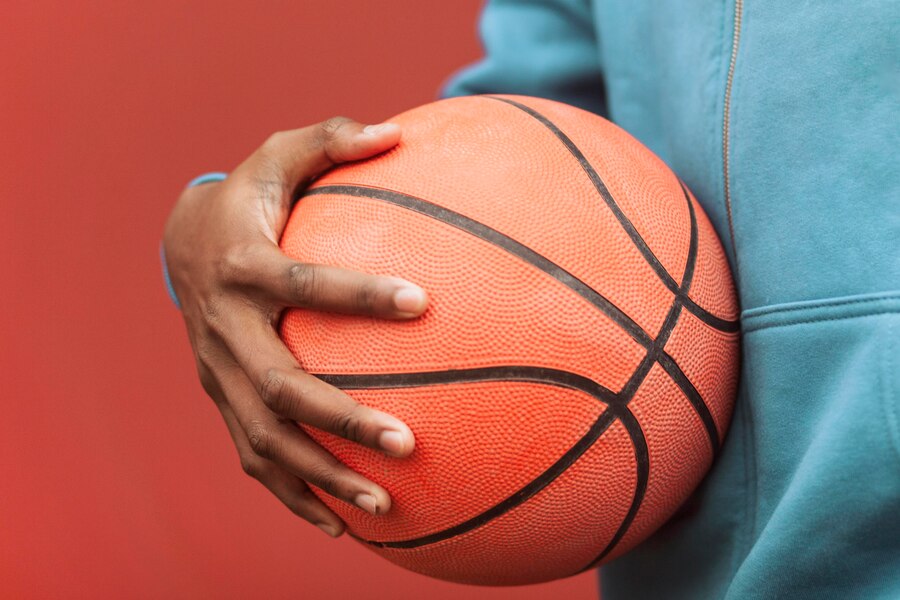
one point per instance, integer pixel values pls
(820, 386)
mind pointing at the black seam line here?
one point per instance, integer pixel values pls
(525, 253)
(657, 347)
(565, 379)
(535, 486)
(718, 323)
(638, 377)
(625, 222)
(668, 363)
(498, 239)
(664, 359)
(642, 454)
(687, 388)
(545, 375)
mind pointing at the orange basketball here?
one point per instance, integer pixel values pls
(574, 374)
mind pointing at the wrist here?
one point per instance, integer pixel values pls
(212, 177)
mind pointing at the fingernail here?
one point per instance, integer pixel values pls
(367, 503)
(379, 129)
(392, 442)
(329, 529)
(409, 299)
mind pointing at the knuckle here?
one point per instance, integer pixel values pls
(296, 507)
(251, 466)
(367, 297)
(261, 439)
(205, 354)
(349, 425)
(330, 129)
(268, 185)
(214, 315)
(212, 311)
(272, 389)
(271, 314)
(235, 263)
(209, 383)
(275, 140)
(267, 181)
(300, 503)
(326, 478)
(304, 280)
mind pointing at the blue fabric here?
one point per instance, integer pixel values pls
(207, 178)
(804, 499)
(199, 180)
(168, 280)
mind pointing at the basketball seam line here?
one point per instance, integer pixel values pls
(665, 277)
(566, 379)
(654, 356)
(680, 291)
(508, 244)
(515, 248)
(496, 238)
(558, 377)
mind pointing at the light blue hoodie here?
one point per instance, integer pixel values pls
(783, 118)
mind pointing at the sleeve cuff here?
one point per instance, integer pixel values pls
(166, 278)
(207, 178)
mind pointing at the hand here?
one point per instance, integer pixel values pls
(233, 282)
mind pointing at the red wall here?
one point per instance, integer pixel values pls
(117, 478)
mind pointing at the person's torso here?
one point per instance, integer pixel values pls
(782, 117)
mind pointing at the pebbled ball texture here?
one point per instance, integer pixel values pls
(577, 365)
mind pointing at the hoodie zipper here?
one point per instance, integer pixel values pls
(735, 41)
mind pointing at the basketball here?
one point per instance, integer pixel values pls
(574, 374)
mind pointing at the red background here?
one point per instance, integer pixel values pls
(117, 478)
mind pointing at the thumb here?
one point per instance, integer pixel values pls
(289, 160)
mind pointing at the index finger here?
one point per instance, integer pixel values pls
(290, 392)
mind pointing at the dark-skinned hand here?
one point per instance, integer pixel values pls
(233, 282)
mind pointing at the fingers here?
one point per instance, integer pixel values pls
(297, 496)
(292, 492)
(289, 160)
(229, 309)
(320, 287)
(276, 451)
(289, 392)
(304, 153)
(282, 442)
(284, 388)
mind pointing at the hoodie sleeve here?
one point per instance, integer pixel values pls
(545, 48)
